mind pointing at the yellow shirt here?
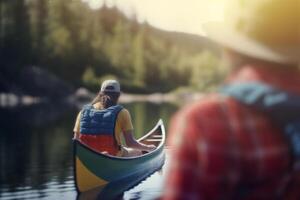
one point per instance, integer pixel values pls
(123, 123)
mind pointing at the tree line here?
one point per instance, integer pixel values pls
(84, 46)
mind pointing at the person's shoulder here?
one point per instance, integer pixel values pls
(209, 112)
(124, 112)
(207, 105)
(98, 106)
(197, 117)
(203, 117)
(88, 106)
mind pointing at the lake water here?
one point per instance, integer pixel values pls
(36, 151)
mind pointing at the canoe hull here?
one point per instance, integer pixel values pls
(95, 170)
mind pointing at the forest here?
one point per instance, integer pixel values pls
(82, 47)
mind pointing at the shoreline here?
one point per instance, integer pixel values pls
(82, 96)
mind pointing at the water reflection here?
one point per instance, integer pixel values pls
(36, 148)
(151, 188)
(34, 155)
(146, 115)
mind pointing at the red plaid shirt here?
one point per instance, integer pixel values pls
(222, 149)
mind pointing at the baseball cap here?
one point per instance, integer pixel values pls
(110, 86)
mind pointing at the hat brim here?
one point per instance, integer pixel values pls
(234, 40)
(113, 91)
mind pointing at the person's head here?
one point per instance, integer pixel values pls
(259, 31)
(109, 93)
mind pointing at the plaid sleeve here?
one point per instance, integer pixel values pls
(183, 162)
(199, 166)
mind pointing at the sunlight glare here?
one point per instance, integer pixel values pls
(172, 15)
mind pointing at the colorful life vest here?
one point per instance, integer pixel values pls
(99, 122)
(281, 106)
(97, 128)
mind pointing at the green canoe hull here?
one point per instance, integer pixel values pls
(94, 171)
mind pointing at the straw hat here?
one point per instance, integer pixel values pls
(264, 29)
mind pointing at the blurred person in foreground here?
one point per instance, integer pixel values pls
(244, 141)
(101, 124)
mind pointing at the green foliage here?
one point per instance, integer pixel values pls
(92, 81)
(84, 46)
(206, 72)
(89, 77)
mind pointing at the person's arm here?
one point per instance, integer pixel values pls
(76, 135)
(182, 179)
(133, 143)
(127, 129)
(76, 129)
(200, 165)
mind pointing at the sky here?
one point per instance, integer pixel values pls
(173, 15)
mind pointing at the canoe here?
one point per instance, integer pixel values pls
(95, 171)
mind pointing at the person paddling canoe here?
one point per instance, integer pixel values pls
(101, 124)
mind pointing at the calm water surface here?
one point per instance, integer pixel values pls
(36, 151)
